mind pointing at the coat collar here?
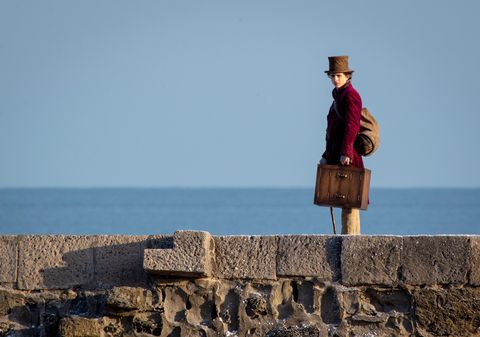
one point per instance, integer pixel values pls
(338, 91)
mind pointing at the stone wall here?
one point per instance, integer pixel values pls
(195, 284)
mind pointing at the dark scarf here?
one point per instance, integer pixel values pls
(337, 91)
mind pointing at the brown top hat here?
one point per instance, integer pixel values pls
(338, 64)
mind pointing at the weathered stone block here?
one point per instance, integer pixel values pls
(130, 298)
(370, 259)
(191, 255)
(435, 260)
(147, 324)
(119, 259)
(418, 260)
(475, 260)
(8, 258)
(447, 312)
(453, 259)
(80, 327)
(245, 257)
(309, 255)
(55, 262)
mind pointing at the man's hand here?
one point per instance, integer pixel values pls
(345, 160)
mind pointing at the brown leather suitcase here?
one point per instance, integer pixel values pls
(342, 186)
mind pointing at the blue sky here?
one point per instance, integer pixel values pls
(232, 93)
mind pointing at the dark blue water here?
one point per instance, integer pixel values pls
(230, 211)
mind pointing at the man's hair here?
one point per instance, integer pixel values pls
(349, 75)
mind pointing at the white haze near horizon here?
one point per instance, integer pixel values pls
(224, 93)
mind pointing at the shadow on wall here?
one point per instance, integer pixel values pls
(101, 266)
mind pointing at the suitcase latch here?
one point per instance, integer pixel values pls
(339, 196)
(342, 175)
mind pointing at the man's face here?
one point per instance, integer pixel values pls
(338, 79)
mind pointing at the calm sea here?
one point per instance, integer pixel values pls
(223, 211)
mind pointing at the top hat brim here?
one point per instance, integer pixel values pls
(349, 71)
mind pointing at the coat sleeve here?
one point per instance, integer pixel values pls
(353, 112)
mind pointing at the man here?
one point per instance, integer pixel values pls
(343, 124)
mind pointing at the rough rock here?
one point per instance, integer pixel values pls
(382, 317)
(297, 331)
(130, 298)
(448, 312)
(80, 327)
(256, 306)
(5, 328)
(148, 323)
(9, 300)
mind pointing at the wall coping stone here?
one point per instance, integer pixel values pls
(191, 255)
(8, 259)
(34, 262)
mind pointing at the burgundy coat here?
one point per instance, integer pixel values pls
(341, 134)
